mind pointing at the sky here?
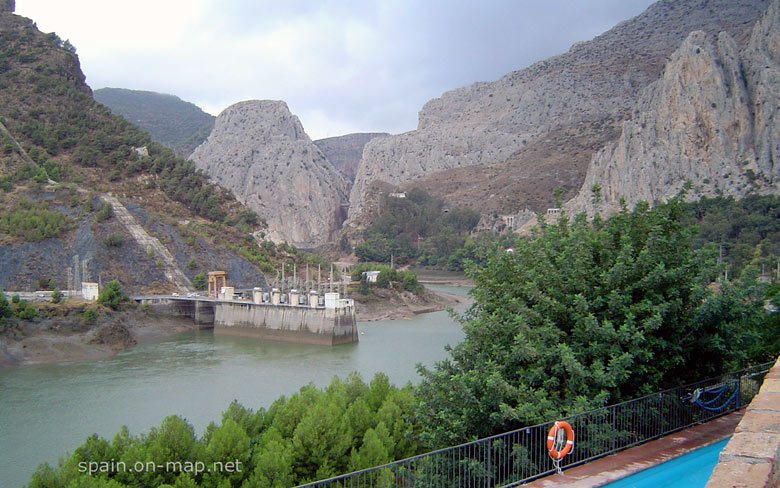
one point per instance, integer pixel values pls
(341, 66)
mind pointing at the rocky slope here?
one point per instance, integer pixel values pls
(711, 119)
(179, 125)
(344, 152)
(582, 94)
(259, 151)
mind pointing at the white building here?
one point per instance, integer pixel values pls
(89, 290)
(371, 276)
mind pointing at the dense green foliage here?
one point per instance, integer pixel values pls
(314, 434)
(170, 121)
(585, 314)
(112, 295)
(388, 277)
(747, 230)
(33, 222)
(418, 226)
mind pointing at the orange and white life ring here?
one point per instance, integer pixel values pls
(555, 454)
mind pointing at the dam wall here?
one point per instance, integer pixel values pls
(200, 311)
(324, 326)
(332, 324)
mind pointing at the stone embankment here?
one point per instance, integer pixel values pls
(752, 456)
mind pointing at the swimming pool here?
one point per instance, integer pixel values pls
(690, 470)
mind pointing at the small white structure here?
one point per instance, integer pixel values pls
(257, 295)
(331, 300)
(371, 276)
(334, 301)
(398, 195)
(89, 290)
(276, 296)
(314, 299)
(227, 293)
(294, 294)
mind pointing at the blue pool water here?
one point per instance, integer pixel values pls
(690, 470)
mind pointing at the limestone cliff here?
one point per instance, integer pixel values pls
(259, 150)
(344, 152)
(711, 119)
(579, 95)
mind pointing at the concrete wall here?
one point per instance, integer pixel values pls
(200, 311)
(287, 323)
(752, 456)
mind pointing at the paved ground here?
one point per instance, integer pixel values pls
(612, 468)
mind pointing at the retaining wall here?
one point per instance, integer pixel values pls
(326, 326)
(752, 456)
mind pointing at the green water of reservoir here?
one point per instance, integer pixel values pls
(48, 410)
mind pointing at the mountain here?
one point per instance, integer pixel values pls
(710, 119)
(260, 152)
(171, 121)
(488, 140)
(344, 152)
(86, 195)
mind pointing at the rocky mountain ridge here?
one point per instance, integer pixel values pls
(711, 118)
(583, 92)
(344, 152)
(259, 150)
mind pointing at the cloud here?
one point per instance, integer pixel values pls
(341, 66)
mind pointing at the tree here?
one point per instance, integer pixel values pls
(5, 309)
(112, 295)
(584, 314)
(56, 295)
(199, 281)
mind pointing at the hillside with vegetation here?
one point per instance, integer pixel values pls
(61, 153)
(416, 227)
(169, 120)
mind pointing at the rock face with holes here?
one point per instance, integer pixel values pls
(581, 95)
(711, 119)
(259, 151)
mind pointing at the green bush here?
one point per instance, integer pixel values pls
(56, 295)
(26, 310)
(105, 213)
(114, 240)
(90, 315)
(199, 281)
(112, 295)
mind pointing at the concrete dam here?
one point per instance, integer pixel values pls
(269, 316)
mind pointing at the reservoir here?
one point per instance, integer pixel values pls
(48, 410)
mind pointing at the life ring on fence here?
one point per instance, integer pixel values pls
(554, 433)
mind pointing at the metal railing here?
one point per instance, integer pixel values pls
(520, 456)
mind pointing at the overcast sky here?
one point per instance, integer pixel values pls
(341, 66)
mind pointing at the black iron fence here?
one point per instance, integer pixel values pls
(519, 456)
